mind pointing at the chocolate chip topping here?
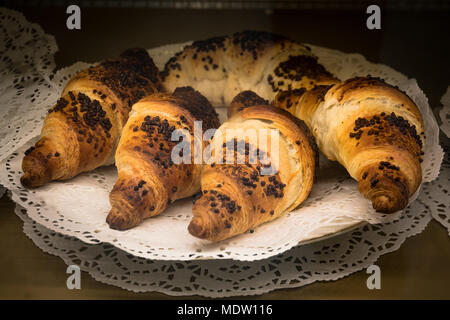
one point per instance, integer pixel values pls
(198, 106)
(248, 99)
(379, 125)
(211, 44)
(131, 77)
(251, 43)
(286, 94)
(295, 68)
(254, 41)
(29, 150)
(159, 131)
(93, 113)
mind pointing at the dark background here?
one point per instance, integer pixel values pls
(414, 35)
(413, 39)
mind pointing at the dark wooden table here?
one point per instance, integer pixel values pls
(414, 43)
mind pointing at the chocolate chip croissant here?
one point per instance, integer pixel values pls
(372, 128)
(81, 131)
(266, 63)
(251, 181)
(154, 168)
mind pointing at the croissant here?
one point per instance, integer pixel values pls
(81, 131)
(149, 176)
(372, 128)
(238, 196)
(244, 100)
(266, 63)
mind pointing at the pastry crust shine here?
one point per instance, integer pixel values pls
(148, 178)
(237, 197)
(266, 63)
(372, 128)
(81, 131)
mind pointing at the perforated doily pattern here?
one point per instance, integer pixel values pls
(444, 113)
(437, 193)
(78, 207)
(326, 260)
(26, 86)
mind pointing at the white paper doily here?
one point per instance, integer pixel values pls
(26, 88)
(444, 113)
(79, 207)
(436, 194)
(326, 260)
(438, 191)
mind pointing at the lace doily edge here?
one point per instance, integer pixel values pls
(348, 272)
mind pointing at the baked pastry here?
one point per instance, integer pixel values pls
(372, 128)
(244, 100)
(150, 174)
(81, 131)
(265, 178)
(263, 62)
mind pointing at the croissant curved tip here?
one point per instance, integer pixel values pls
(118, 221)
(196, 228)
(25, 180)
(385, 203)
(32, 179)
(387, 194)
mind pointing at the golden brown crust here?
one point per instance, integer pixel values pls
(237, 197)
(373, 129)
(198, 106)
(82, 130)
(128, 77)
(297, 72)
(263, 62)
(244, 100)
(246, 45)
(149, 179)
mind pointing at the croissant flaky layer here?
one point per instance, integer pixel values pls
(150, 177)
(81, 131)
(264, 179)
(372, 128)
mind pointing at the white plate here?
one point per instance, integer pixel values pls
(79, 207)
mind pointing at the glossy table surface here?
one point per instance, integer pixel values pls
(411, 42)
